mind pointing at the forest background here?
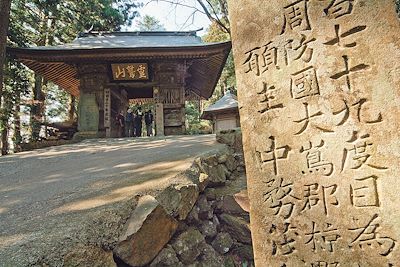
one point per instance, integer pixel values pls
(28, 101)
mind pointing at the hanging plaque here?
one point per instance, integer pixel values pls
(130, 72)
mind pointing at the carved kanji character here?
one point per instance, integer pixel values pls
(279, 196)
(269, 57)
(304, 83)
(339, 36)
(283, 242)
(131, 71)
(260, 59)
(368, 237)
(296, 17)
(272, 154)
(306, 120)
(315, 194)
(339, 8)
(358, 107)
(142, 71)
(348, 70)
(323, 239)
(364, 192)
(120, 73)
(315, 163)
(296, 49)
(252, 61)
(268, 99)
(357, 152)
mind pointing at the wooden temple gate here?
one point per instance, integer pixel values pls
(108, 70)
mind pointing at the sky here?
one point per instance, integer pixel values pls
(174, 17)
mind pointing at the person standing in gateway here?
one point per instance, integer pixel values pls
(138, 122)
(148, 119)
(129, 123)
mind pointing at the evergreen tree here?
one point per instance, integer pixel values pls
(149, 23)
(51, 22)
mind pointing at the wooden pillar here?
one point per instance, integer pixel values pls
(159, 119)
(159, 112)
(107, 112)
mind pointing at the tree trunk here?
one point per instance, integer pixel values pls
(5, 6)
(17, 124)
(37, 108)
(72, 110)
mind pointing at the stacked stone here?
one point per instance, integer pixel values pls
(216, 230)
(202, 223)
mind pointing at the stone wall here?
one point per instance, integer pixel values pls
(204, 222)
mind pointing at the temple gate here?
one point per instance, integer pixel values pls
(107, 70)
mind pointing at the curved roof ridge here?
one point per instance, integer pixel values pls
(140, 33)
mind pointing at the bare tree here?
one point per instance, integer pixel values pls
(215, 10)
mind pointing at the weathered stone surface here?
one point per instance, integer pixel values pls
(237, 227)
(243, 251)
(232, 138)
(231, 163)
(208, 229)
(217, 175)
(178, 200)
(146, 233)
(188, 245)
(209, 257)
(205, 211)
(89, 256)
(242, 199)
(167, 257)
(222, 158)
(203, 181)
(193, 216)
(210, 194)
(231, 206)
(318, 86)
(222, 243)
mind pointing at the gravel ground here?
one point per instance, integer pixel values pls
(50, 198)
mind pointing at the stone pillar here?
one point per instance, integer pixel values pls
(91, 101)
(318, 86)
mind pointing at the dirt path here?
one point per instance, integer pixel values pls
(62, 187)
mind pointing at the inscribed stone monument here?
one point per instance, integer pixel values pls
(319, 95)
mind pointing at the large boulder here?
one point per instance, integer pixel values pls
(188, 245)
(178, 200)
(146, 232)
(237, 227)
(89, 256)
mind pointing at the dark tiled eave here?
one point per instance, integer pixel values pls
(59, 65)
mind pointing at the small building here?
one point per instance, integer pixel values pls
(109, 70)
(224, 113)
